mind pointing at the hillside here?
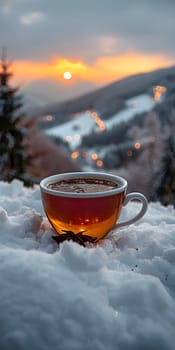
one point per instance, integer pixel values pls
(109, 99)
(137, 135)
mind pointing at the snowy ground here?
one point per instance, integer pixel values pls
(116, 295)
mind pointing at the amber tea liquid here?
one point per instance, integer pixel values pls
(92, 215)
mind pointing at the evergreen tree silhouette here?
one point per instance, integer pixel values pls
(13, 156)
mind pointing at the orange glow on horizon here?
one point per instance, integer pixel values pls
(103, 71)
(113, 68)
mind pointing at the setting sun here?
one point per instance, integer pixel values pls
(103, 71)
(67, 75)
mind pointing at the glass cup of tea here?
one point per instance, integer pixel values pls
(87, 203)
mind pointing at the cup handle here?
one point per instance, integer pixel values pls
(134, 196)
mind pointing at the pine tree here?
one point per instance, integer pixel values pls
(13, 156)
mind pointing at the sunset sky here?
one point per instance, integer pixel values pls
(97, 41)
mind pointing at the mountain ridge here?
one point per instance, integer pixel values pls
(109, 99)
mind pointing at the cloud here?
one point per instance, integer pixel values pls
(45, 79)
(108, 39)
(116, 67)
(31, 18)
(29, 70)
(104, 69)
(77, 29)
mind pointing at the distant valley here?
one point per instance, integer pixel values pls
(126, 128)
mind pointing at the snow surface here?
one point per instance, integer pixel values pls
(75, 129)
(117, 295)
(135, 105)
(83, 123)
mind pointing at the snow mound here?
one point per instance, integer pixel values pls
(118, 294)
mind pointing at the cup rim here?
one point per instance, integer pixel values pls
(83, 174)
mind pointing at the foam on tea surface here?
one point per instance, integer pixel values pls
(83, 185)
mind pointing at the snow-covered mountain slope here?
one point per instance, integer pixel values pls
(84, 123)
